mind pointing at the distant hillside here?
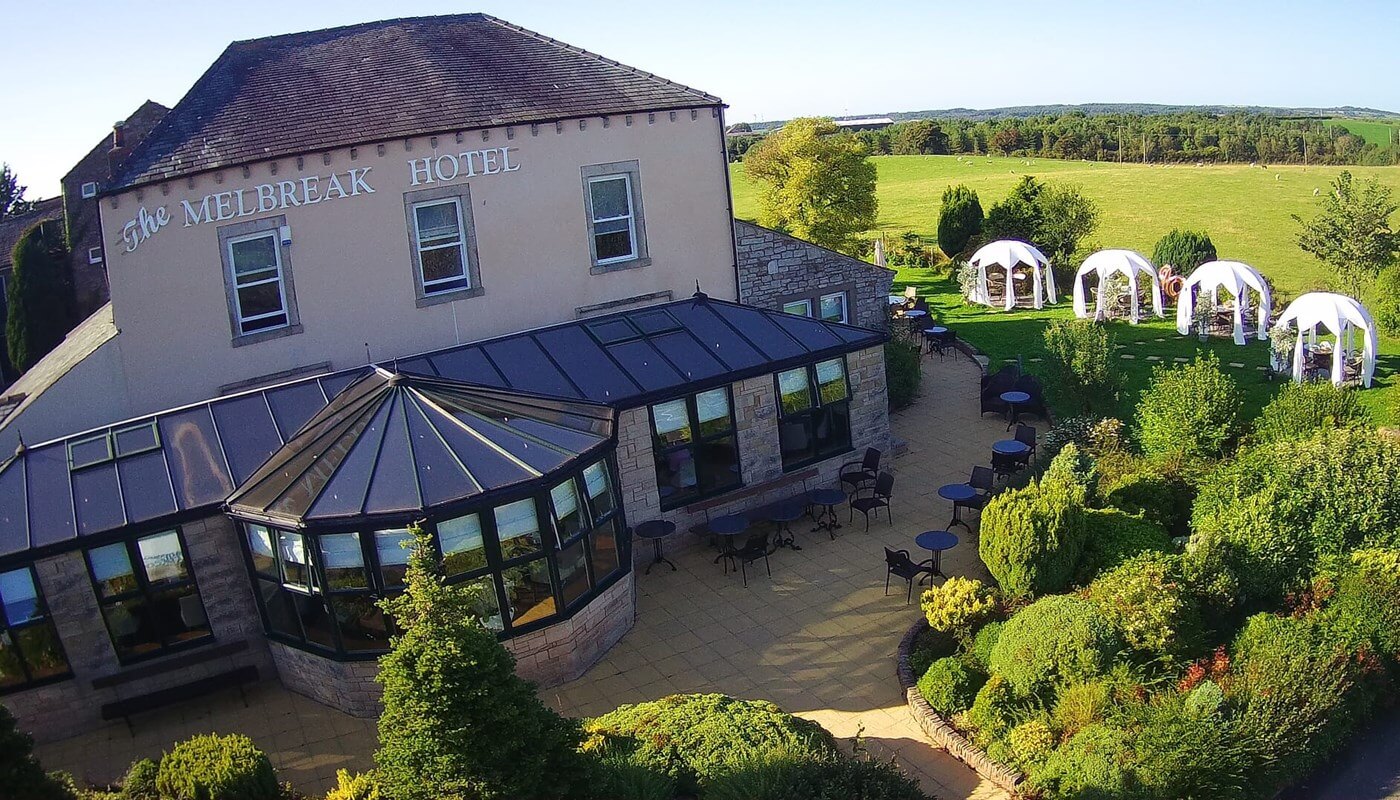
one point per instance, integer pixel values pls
(1100, 109)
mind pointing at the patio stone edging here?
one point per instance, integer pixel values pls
(939, 731)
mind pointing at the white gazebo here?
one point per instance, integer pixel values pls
(1236, 277)
(1017, 261)
(1107, 263)
(1344, 318)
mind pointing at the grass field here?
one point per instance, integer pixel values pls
(1377, 133)
(1246, 210)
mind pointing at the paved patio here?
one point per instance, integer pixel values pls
(818, 638)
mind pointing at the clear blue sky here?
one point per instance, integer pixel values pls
(74, 67)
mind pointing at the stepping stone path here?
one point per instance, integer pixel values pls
(1237, 364)
(1127, 355)
(1159, 340)
(1035, 360)
(1180, 360)
(1154, 358)
(1262, 368)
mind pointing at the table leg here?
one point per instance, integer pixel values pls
(957, 518)
(658, 557)
(1011, 415)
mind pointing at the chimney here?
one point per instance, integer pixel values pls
(119, 150)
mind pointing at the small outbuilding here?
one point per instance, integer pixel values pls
(1239, 279)
(1105, 264)
(1339, 360)
(1011, 273)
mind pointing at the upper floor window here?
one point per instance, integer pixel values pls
(801, 308)
(258, 280)
(814, 413)
(827, 306)
(616, 231)
(697, 452)
(442, 246)
(89, 189)
(147, 594)
(833, 307)
(30, 651)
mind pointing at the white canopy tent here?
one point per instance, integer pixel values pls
(1344, 318)
(1235, 276)
(1007, 254)
(1106, 263)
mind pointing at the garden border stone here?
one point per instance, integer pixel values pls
(939, 731)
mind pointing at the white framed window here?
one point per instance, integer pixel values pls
(801, 308)
(259, 293)
(89, 190)
(833, 307)
(441, 242)
(94, 255)
(613, 221)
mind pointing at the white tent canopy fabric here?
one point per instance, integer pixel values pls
(1104, 264)
(1343, 317)
(1237, 277)
(1007, 254)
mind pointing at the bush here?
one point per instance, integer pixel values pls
(994, 710)
(1112, 537)
(958, 606)
(1032, 538)
(1081, 361)
(1148, 604)
(1189, 412)
(1300, 409)
(1054, 641)
(1078, 430)
(1092, 765)
(1079, 705)
(1073, 469)
(1385, 299)
(828, 777)
(903, 373)
(694, 738)
(1161, 497)
(140, 781)
(620, 778)
(929, 646)
(1365, 611)
(950, 685)
(359, 786)
(1031, 742)
(1177, 753)
(20, 773)
(1183, 251)
(213, 767)
(982, 644)
(39, 297)
(959, 219)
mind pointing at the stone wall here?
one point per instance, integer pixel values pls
(346, 685)
(775, 268)
(74, 705)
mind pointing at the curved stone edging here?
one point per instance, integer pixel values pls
(939, 731)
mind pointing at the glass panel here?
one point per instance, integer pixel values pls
(136, 439)
(196, 465)
(719, 460)
(90, 451)
(49, 494)
(162, 558)
(613, 330)
(833, 429)
(11, 669)
(19, 596)
(528, 592)
(145, 486)
(253, 256)
(672, 422)
(98, 499)
(586, 364)
(597, 482)
(363, 626)
(645, 366)
(765, 332)
(603, 546)
(315, 620)
(613, 245)
(441, 264)
(483, 601)
(437, 222)
(610, 198)
(831, 380)
(277, 602)
(42, 652)
(802, 308)
(296, 570)
(712, 410)
(293, 406)
(461, 542)
(675, 476)
(132, 626)
(526, 366)
(719, 339)
(179, 614)
(573, 573)
(343, 561)
(795, 391)
(111, 570)
(834, 307)
(795, 441)
(688, 355)
(518, 529)
(261, 299)
(658, 321)
(394, 547)
(260, 545)
(249, 434)
(565, 499)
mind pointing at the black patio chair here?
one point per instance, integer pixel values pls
(994, 385)
(947, 342)
(983, 480)
(1025, 434)
(755, 547)
(1032, 386)
(1004, 466)
(880, 494)
(898, 563)
(859, 473)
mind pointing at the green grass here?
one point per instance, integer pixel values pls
(1377, 133)
(1246, 210)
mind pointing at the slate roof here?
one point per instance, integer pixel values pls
(300, 92)
(12, 228)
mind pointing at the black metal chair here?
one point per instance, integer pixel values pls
(859, 473)
(880, 494)
(983, 480)
(1025, 434)
(994, 385)
(1005, 466)
(947, 341)
(1032, 386)
(898, 562)
(755, 547)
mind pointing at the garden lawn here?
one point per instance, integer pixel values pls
(1246, 210)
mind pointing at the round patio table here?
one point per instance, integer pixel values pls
(656, 530)
(828, 500)
(783, 516)
(936, 542)
(1012, 400)
(931, 338)
(957, 493)
(726, 528)
(1011, 447)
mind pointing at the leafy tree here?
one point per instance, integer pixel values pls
(1067, 218)
(919, 137)
(1006, 139)
(959, 219)
(816, 183)
(40, 296)
(741, 127)
(1351, 232)
(1081, 358)
(20, 773)
(1183, 250)
(457, 721)
(12, 202)
(1018, 216)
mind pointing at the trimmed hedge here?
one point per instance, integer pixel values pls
(1054, 641)
(951, 684)
(958, 606)
(903, 373)
(213, 767)
(983, 643)
(1162, 498)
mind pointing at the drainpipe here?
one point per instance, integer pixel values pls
(729, 203)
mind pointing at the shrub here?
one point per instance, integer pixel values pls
(1183, 251)
(140, 781)
(1300, 409)
(1179, 754)
(1365, 612)
(620, 778)
(213, 767)
(457, 720)
(1079, 430)
(958, 606)
(20, 773)
(994, 710)
(1092, 765)
(827, 777)
(950, 685)
(1054, 641)
(1031, 538)
(692, 738)
(929, 646)
(1162, 498)
(1031, 741)
(1081, 360)
(359, 786)
(1079, 705)
(39, 297)
(1189, 412)
(959, 219)
(1207, 698)
(1385, 299)
(1146, 602)
(983, 643)
(1113, 536)
(1073, 469)
(903, 373)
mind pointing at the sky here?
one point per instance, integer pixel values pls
(71, 73)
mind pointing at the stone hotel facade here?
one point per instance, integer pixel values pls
(443, 272)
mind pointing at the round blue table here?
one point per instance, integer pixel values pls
(783, 516)
(1011, 447)
(1012, 400)
(726, 528)
(936, 542)
(957, 493)
(827, 500)
(656, 530)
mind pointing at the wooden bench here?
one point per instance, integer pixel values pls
(234, 678)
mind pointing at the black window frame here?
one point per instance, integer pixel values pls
(813, 416)
(661, 450)
(40, 618)
(145, 591)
